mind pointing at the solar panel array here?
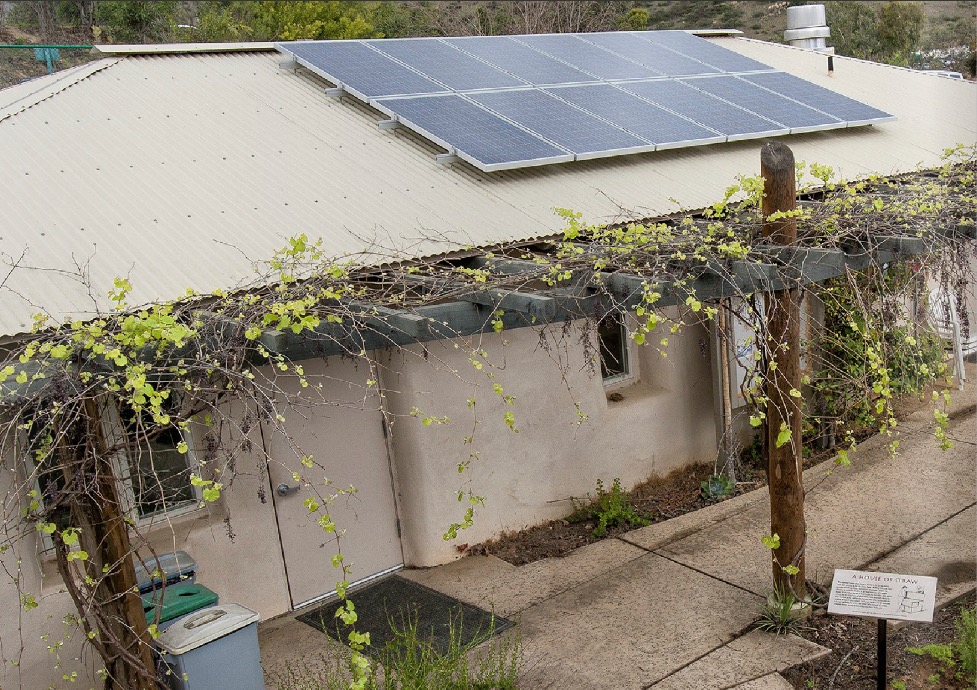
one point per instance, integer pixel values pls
(504, 102)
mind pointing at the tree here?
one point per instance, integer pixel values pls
(636, 19)
(471, 18)
(889, 33)
(900, 28)
(134, 21)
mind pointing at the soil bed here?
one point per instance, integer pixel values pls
(852, 662)
(658, 499)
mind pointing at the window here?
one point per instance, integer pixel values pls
(154, 476)
(615, 355)
(158, 473)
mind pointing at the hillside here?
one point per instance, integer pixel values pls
(947, 25)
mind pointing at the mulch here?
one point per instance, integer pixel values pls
(853, 661)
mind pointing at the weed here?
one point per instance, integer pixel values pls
(717, 487)
(898, 685)
(412, 662)
(961, 654)
(609, 509)
(965, 646)
(780, 614)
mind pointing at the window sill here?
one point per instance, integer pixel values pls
(629, 392)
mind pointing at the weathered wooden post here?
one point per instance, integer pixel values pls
(783, 377)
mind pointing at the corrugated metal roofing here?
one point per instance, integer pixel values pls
(183, 170)
(26, 94)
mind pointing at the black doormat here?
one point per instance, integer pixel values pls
(396, 602)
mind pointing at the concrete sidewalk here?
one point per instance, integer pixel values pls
(668, 606)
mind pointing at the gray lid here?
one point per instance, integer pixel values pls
(163, 567)
(206, 626)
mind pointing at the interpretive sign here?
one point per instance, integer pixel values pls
(883, 595)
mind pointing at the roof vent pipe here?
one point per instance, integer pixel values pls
(807, 28)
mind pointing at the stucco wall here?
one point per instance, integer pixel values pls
(246, 569)
(665, 420)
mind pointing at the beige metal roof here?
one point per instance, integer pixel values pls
(26, 94)
(181, 170)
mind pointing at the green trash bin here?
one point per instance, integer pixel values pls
(175, 602)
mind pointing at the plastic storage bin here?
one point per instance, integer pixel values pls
(173, 568)
(176, 601)
(213, 649)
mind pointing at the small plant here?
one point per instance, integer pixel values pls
(780, 614)
(610, 509)
(965, 646)
(961, 654)
(717, 487)
(941, 652)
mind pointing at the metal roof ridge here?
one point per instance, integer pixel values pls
(182, 48)
(838, 56)
(49, 89)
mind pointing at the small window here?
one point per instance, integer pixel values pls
(154, 476)
(615, 361)
(159, 472)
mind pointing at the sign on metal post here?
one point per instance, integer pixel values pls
(883, 596)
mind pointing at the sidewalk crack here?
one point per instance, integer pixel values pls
(913, 538)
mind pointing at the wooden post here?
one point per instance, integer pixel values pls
(783, 376)
(131, 665)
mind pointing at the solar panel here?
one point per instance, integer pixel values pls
(853, 112)
(653, 56)
(484, 139)
(561, 123)
(519, 59)
(587, 57)
(445, 64)
(800, 118)
(503, 102)
(361, 69)
(725, 118)
(722, 59)
(644, 119)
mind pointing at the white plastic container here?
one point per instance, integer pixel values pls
(215, 649)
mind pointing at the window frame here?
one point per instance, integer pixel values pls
(113, 428)
(628, 353)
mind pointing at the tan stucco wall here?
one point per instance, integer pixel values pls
(664, 421)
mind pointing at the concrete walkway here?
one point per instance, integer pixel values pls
(668, 606)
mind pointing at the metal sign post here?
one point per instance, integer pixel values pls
(883, 596)
(881, 670)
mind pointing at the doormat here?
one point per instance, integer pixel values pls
(396, 602)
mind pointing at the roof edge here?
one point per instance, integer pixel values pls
(181, 48)
(714, 32)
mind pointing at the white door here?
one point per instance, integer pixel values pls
(340, 426)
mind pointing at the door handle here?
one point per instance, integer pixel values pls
(285, 489)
